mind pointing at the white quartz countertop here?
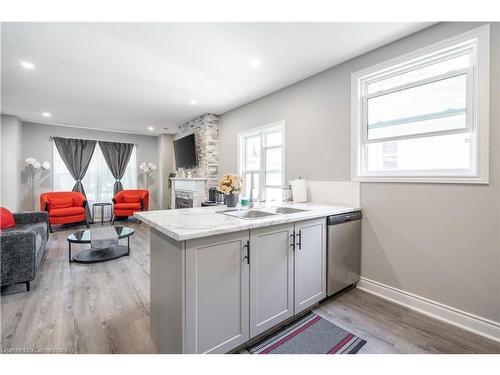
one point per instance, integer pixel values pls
(189, 223)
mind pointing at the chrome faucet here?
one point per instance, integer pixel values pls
(251, 200)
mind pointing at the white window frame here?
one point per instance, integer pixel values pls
(262, 131)
(477, 108)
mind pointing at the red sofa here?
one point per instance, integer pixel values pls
(126, 202)
(65, 207)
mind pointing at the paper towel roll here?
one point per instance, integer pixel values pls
(299, 191)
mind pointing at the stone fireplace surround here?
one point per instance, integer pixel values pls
(206, 132)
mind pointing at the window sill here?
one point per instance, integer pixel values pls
(424, 180)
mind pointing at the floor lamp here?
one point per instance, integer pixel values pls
(35, 168)
(147, 169)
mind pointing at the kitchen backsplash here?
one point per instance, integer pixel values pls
(344, 193)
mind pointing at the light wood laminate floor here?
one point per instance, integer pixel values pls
(104, 308)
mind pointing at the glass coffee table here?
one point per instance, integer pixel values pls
(102, 254)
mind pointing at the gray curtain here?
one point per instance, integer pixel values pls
(117, 156)
(76, 154)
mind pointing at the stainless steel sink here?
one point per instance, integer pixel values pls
(250, 214)
(284, 210)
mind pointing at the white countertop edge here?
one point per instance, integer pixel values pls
(236, 224)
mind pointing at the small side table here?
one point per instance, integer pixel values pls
(102, 205)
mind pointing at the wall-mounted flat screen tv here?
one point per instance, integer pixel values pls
(185, 152)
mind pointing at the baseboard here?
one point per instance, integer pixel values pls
(473, 323)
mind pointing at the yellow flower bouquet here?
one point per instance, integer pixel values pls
(230, 184)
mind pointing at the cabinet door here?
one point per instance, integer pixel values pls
(271, 276)
(310, 263)
(217, 299)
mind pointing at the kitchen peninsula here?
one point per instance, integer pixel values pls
(219, 280)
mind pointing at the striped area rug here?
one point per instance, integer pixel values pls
(309, 335)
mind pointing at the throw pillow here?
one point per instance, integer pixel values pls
(6, 219)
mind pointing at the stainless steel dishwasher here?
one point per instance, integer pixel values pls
(344, 250)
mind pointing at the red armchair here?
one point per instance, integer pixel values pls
(65, 207)
(126, 202)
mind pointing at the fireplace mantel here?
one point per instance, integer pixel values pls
(195, 188)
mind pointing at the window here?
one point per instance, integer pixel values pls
(261, 153)
(424, 116)
(98, 181)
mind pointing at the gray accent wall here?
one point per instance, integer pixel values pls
(36, 143)
(438, 241)
(11, 162)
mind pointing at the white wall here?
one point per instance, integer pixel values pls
(36, 143)
(165, 167)
(437, 241)
(11, 163)
(315, 112)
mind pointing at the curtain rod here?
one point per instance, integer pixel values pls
(51, 139)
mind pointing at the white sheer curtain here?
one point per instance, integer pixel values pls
(98, 181)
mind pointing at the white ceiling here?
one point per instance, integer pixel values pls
(128, 76)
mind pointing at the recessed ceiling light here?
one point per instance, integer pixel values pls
(46, 114)
(151, 128)
(193, 102)
(255, 63)
(27, 65)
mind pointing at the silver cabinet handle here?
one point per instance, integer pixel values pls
(293, 241)
(247, 257)
(299, 242)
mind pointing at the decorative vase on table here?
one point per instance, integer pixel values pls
(230, 185)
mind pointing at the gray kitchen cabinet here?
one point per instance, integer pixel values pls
(217, 293)
(212, 294)
(271, 277)
(309, 263)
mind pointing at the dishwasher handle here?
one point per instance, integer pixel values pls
(343, 218)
